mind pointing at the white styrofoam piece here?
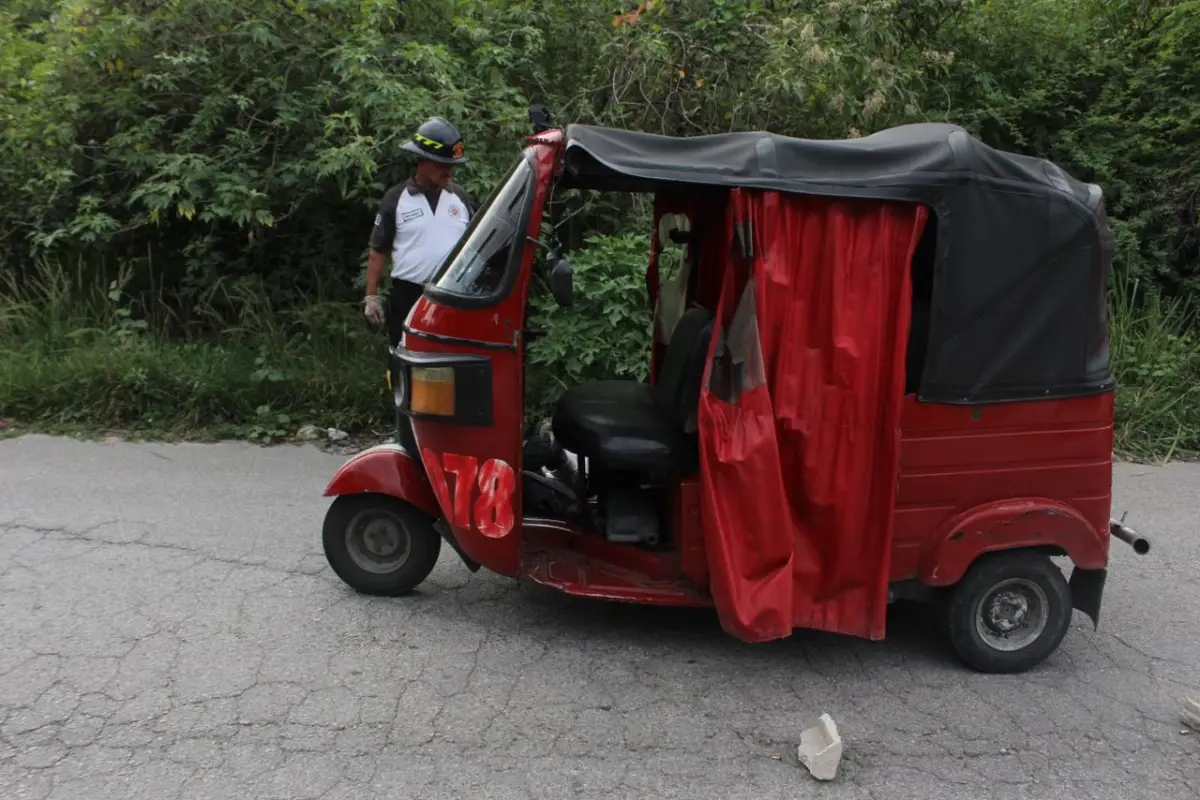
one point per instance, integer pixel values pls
(1191, 713)
(820, 749)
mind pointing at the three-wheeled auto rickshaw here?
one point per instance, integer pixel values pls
(881, 371)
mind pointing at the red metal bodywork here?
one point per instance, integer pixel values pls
(982, 478)
(385, 469)
(972, 478)
(496, 333)
(558, 556)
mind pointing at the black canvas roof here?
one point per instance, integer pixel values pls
(894, 161)
(1022, 250)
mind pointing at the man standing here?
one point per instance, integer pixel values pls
(418, 224)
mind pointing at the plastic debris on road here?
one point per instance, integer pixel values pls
(1191, 713)
(820, 749)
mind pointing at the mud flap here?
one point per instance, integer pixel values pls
(1087, 588)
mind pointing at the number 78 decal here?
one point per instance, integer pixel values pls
(490, 486)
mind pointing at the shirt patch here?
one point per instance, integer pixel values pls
(455, 211)
(416, 212)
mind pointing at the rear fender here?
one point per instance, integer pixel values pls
(1007, 525)
(386, 469)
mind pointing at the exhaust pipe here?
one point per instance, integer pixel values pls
(1139, 543)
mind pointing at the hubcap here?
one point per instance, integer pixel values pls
(378, 541)
(1012, 614)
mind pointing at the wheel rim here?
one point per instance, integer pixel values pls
(1012, 614)
(378, 541)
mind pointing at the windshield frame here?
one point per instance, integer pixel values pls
(488, 214)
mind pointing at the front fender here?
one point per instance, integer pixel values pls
(1010, 524)
(386, 469)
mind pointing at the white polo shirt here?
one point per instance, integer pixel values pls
(419, 234)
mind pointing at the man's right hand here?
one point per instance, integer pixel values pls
(373, 309)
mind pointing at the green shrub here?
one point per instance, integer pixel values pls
(604, 334)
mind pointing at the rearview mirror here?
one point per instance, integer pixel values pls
(561, 280)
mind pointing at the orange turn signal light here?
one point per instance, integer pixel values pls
(432, 390)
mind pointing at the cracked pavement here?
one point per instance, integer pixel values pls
(169, 629)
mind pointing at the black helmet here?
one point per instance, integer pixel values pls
(437, 140)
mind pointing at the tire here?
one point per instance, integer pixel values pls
(379, 545)
(978, 619)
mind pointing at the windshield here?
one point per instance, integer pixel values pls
(479, 266)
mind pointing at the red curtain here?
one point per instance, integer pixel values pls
(800, 413)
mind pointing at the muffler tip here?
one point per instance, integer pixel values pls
(1139, 543)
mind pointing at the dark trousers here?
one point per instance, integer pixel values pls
(403, 297)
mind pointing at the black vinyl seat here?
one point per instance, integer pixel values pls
(629, 426)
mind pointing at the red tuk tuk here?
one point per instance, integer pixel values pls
(881, 372)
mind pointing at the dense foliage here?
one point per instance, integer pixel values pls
(192, 164)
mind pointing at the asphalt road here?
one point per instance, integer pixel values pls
(169, 629)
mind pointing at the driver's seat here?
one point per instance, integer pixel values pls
(629, 426)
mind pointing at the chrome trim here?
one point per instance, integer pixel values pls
(547, 522)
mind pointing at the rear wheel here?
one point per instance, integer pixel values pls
(1010, 612)
(379, 545)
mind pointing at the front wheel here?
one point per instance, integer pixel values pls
(379, 545)
(1010, 612)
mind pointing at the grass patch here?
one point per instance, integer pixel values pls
(1156, 360)
(74, 358)
(78, 358)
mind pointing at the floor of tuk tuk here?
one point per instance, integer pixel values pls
(170, 630)
(557, 556)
